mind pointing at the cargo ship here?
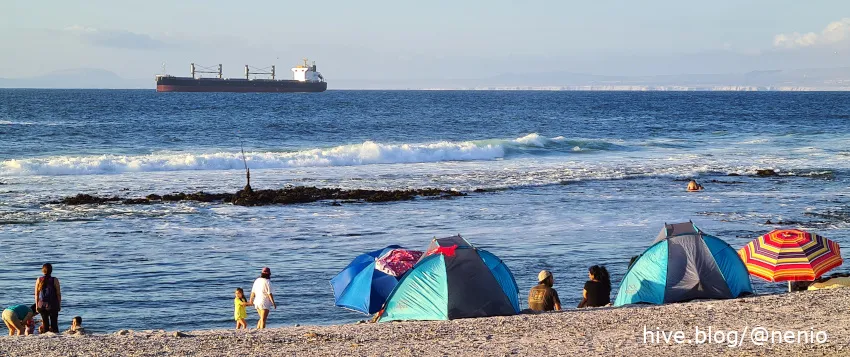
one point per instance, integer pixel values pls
(305, 79)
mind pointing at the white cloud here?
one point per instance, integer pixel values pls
(115, 38)
(835, 32)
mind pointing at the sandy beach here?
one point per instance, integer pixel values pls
(607, 331)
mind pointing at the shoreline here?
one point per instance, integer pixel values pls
(602, 331)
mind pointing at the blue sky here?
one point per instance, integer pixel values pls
(406, 41)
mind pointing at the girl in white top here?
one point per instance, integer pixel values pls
(261, 296)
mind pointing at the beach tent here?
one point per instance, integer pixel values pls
(684, 264)
(453, 280)
(367, 281)
(676, 229)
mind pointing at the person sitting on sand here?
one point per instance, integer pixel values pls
(261, 296)
(76, 327)
(694, 186)
(239, 313)
(542, 297)
(597, 290)
(16, 317)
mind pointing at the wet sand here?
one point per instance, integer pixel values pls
(590, 332)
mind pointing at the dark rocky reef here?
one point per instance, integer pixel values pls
(766, 173)
(726, 182)
(805, 224)
(290, 195)
(834, 215)
(786, 222)
(759, 173)
(84, 199)
(304, 194)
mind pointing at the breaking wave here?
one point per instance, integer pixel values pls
(7, 122)
(48, 123)
(366, 153)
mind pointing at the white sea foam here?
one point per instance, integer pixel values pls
(366, 153)
(359, 154)
(49, 123)
(756, 141)
(533, 139)
(7, 122)
(582, 159)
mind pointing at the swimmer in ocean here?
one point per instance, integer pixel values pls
(694, 186)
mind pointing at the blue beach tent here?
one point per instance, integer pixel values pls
(453, 280)
(684, 264)
(360, 286)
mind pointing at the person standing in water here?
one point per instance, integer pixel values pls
(48, 298)
(261, 296)
(542, 297)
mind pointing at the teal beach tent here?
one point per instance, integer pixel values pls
(453, 280)
(684, 264)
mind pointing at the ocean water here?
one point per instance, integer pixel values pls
(572, 178)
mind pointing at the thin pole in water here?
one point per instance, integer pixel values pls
(245, 161)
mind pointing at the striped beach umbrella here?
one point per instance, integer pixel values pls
(790, 255)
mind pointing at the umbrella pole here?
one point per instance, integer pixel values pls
(789, 286)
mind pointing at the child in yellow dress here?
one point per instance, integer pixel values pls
(239, 313)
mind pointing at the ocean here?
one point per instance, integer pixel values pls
(570, 179)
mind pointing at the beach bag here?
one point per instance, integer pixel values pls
(47, 298)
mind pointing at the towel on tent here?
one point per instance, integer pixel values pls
(398, 261)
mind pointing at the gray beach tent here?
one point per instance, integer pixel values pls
(684, 264)
(676, 229)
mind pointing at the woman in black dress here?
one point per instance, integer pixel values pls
(597, 290)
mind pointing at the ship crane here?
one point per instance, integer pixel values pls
(249, 70)
(205, 70)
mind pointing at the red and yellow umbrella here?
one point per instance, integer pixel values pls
(790, 255)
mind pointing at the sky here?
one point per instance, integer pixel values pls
(408, 41)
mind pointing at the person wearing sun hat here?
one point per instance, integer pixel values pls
(261, 296)
(542, 297)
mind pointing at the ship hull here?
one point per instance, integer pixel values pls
(183, 84)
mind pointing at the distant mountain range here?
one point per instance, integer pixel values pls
(816, 79)
(78, 78)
